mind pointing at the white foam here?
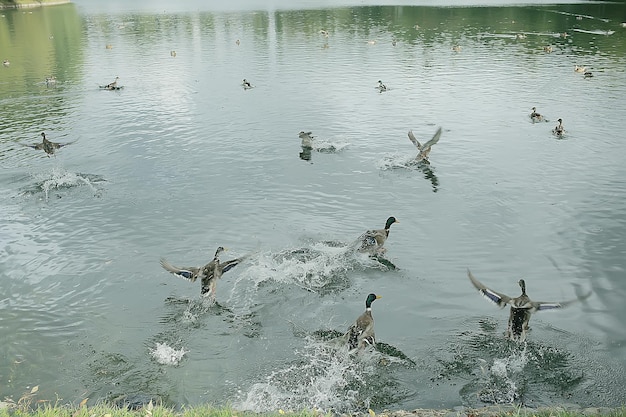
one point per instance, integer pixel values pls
(167, 355)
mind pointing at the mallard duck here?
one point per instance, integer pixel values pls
(246, 84)
(425, 148)
(361, 333)
(48, 146)
(535, 116)
(381, 87)
(522, 307)
(372, 241)
(307, 139)
(208, 274)
(559, 129)
(579, 69)
(111, 86)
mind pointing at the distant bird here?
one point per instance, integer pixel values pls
(48, 146)
(381, 87)
(173, 54)
(112, 86)
(456, 48)
(372, 241)
(520, 36)
(559, 129)
(361, 333)
(522, 307)
(109, 46)
(547, 49)
(238, 42)
(536, 117)
(394, 42)
(426, 147)
(579, 69)
(246, 84)
(208, 274)
(416, 27)
(6, 63)
(324, 32)
(51, 80)
(307, 139)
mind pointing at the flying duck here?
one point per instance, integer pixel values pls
(426, 147)
(48, 146)
(208, 274)
(372, 241)
(361, 333)
(522, 307)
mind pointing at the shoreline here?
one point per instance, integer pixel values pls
(31, 4)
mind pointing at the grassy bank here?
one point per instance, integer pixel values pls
(14, 410)
(18, 4)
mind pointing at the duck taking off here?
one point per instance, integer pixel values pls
(361, 333)
(522, 307)
(372, 241)
(426, 147)
(208, 274)
(48, 146)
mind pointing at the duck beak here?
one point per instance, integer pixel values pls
(379, 296)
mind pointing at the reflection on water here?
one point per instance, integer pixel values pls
(183, 158)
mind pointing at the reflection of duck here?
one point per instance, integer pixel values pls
(208, 274)
(48, 146)
(381, 87)
(588, 74)
(426, 147)
(579, 69)
(246, 84)
(361, 333)
(559, 129)
(522, 307)
(535, 116)
(372, 241)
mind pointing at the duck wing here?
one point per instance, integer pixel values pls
(551, 305)
(34, 145)
(190, 273)
(58, 145)
(495, 297)
(228, 265)
(432, 141)
(414, 140)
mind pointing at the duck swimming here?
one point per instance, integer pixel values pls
(381, 87)
(112, 86)
(48, 146)
(361, 333)
(426, 147)
(246, 84)
(307, 139)
(6, 63)
(579, 69)
(522, 307)
(536, 117)
(208, 274)
(559, 129)
(372, 241)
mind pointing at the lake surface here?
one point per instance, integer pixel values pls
(183, 159)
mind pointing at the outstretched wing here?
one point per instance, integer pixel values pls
(433, 140)
(57, 145)
(228, 265)
(414, 140)
(190, 274)
(549, 305)
(495, 297)
(34, 145)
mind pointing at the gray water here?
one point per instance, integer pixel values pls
(183, 160)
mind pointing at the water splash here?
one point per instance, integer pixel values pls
(167, 355)
(60, 179)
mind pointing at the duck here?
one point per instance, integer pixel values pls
(426, 147)
(238, 42)
(579, 69)
(394, 42)
(324, 32)
(535, 116)
(173, 54)
(307, 139)
(559, 129)
(381, 87)
(372, 241)
(522, 307)
(520, 36)
(6, 63)
(361, 333)
(208, 274)
(112, 86)
(456, 48)
(246, 84)
(48, 146)
(547, 49)
(51, 80)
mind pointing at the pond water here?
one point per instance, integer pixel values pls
(183, 159)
